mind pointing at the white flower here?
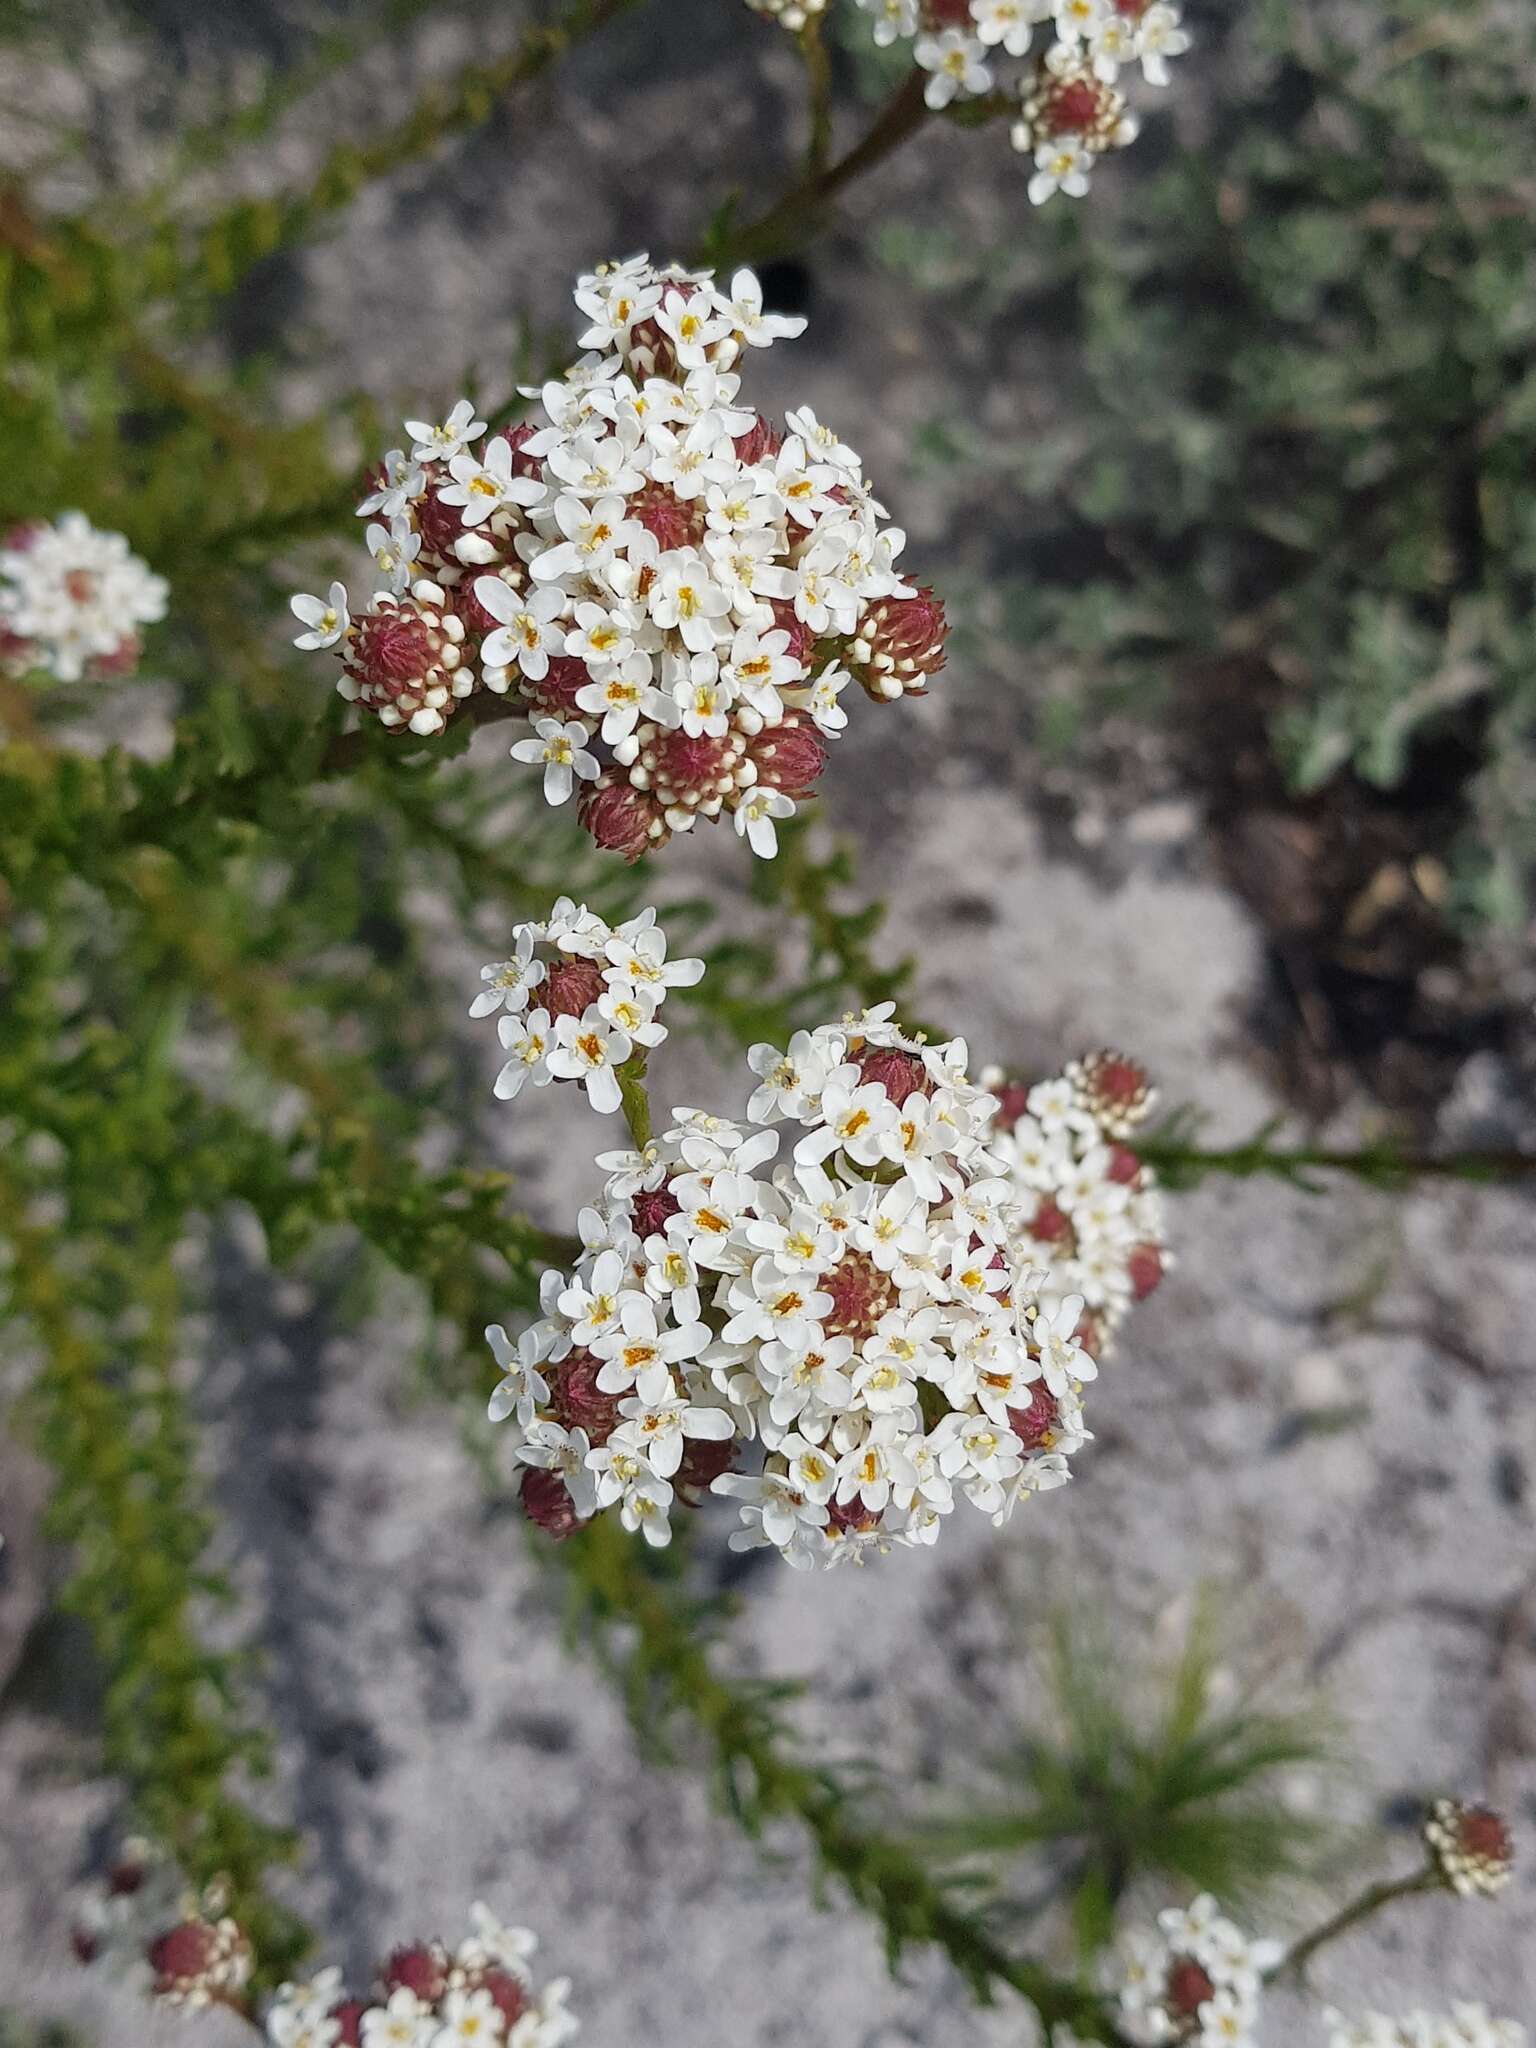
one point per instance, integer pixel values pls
(481, 488)
(893, 18)
(593, 535)
(751, 323)
(1062, 165)
(1078, 20)
(403, 2023)
(957, 62)
(528, 1042)
(325, 619)
(1159, 36)
(560, 747)
(686, 597)
(471, 2019)
(523, 1386)
(755, 816)
(508, 983)
(438, 443)
(530, 629)
(656, 1420)
(394, 549)
(589, 1049)
(638, 952)
(1006, 23)
(692, 322)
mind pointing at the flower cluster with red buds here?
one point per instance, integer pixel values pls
(1470, 1846)
(1071, 110)
(479, 1995)
(72, 600)
(1468, 2026)
(1197, 1981)
(1093, 1214)
(595, 991)
(180, 1946)
(863, 1314)
(675, 591)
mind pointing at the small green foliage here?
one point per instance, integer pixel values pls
(1156, 1775)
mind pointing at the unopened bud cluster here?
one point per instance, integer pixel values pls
(578, 998)
(1092, 1212)
(180, 1946)
(478, 1995)
(675, 591)
(1071, 108)
(1198, 1981)
(862, 1314)
(1466, 2026)
(1470, 1846)
(72, 600)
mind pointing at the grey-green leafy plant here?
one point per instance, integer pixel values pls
(1288, 417)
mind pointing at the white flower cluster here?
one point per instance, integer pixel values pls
(1070, 110)
(481, 1995)
(1198, 1980)
(596, 991)
(1092, 1212)
(647, 565)
(863, 1314)
(72, 600)
(1469, 2026)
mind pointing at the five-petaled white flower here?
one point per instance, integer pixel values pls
(559, 745)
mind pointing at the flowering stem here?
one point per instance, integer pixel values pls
(1384, 1164)
(635, 1101)
(818, 80)
(1370, 1901)
(795, 217)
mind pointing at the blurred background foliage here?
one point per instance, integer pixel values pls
(1290, 425)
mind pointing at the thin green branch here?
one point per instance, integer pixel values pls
(1370, 1902)
(1383, 1164)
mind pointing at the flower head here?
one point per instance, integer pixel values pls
(72, 601)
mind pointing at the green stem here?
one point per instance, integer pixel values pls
(1370, 1901)
(818, 81)
(1384, 1164)
(634, 1099)
(795, 217)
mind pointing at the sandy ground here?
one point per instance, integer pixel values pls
(1326, 1411)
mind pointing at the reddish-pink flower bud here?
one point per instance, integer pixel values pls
(555, 691)
(421, 1968)
(762, 441)
(1035, 1426)
(1049, 1224)
(577, 1400)
(508, 1994)
(674, 522)
(653, 1209)
(440, 525)
(620, 817)
(1189, 1987)
(570, 987)
(547, 1503)
(1144, 1268)
(348, 2017)
(801, 639)
(1124, 1166)
(704, 1460)
(197, 1963)
(860, 1293)
(899, 643)
(1012, 1101)
(1115, 1091)
(899, 1073)
(789, 756)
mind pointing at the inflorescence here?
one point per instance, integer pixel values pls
(72, 600)
(676, 592)
(1093, 1216)
(1071, 108)
(864, 1314)
(1197, 1980)
(578, 998)
(479, 1995)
